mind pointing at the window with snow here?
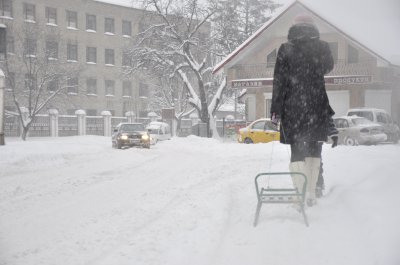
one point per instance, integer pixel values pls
(51, 15)
(72, 52)
(6, 8)
(30, 47)
(126, 28)
(109, 25)
(91, 86)
(72, 85)
(90, 22)
(110, 87)
(72, 19)
(109, 56)
(91, 54)
(29, 12)
(127, 89)
(52, 49)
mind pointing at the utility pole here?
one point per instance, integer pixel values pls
(3, 54)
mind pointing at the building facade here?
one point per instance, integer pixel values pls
(361, 77)
(88, 35)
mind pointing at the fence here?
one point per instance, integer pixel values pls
(54, 125)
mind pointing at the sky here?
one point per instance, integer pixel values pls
(75, 200)
(374, 23)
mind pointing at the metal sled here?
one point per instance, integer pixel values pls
(281, 196)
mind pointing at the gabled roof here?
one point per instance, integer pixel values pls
(341, 31)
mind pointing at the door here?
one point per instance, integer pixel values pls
(257, 132)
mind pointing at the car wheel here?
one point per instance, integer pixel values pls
(119, 145)
(147, 146)
(248, 141)
(350, 141)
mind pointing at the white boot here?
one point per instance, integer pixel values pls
(298, 181)
(312, 165)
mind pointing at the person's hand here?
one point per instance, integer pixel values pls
(275, 118)
(334, 140)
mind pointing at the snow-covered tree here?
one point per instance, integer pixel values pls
(46, 77)
(182, 40)
(175, 42)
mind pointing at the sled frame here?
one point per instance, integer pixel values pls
(266, 195)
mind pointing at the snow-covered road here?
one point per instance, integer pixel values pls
(189, 200)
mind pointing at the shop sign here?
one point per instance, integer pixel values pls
(348, 80)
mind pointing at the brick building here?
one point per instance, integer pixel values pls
(90, 35)
(364, 75)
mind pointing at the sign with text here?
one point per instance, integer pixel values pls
(348, 80)
(331, 80)
(251, 83)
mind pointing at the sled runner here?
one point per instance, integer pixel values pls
(280, 196)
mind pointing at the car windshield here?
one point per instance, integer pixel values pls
(360, 121)
(365, 114)
(132, 127)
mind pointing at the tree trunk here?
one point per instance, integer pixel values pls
(24, 133)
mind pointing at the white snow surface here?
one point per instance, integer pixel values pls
(75, 200)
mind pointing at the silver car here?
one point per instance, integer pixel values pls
(354, 130)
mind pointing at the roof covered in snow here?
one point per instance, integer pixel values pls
(373, 26)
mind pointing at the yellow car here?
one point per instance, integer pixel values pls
(259, 131)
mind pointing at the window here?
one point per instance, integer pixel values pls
(51, 15)
(91, 54)
(109, 56)
(126, 28)
(381, 118)
(52, 49)
(352, 55)
(30, 47)
(271, 59)
(10, 44)
(259, 125)
(72, 85)
(110, 87)
(127, 89)
(91, 86)
(90, 22)
(52, 85)
(6, 8)
(333, 46)
(72, 19)
(72, 52)
(29, 12)
(143, 91)
(109, 25)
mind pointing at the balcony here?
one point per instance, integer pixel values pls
(251, 71)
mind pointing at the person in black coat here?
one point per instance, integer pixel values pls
(300, 101)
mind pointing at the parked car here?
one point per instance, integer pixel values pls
(130, 134)
(158, 131)
(259, 131)
(381, 117)
(354, 130)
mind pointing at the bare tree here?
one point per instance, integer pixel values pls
(46, 77)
